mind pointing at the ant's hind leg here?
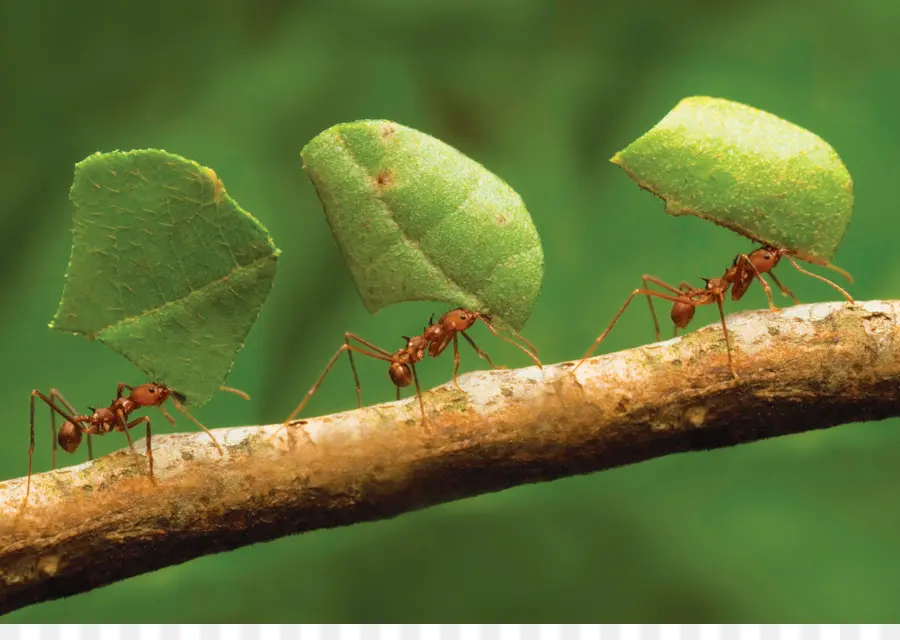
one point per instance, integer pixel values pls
(55, 395)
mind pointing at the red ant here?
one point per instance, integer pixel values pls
(112, 418)
(739, 276)
(435, 338)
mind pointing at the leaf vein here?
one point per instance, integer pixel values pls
(412, 242)
(172, 303)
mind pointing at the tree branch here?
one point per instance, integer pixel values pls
(807, 367)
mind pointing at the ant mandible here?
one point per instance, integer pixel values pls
(744, 269)
(107, 419)
(435, 339)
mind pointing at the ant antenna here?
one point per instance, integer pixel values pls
(176, 400)
(237, 392)
(487, 322)
(840, 271)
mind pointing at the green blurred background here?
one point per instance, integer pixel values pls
(803, 528)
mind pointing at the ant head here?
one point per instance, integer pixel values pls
(765, 258)
(152, 394)
(69, 436)
(401, 374)
(460, 319)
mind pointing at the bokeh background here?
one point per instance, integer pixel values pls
(805, 528)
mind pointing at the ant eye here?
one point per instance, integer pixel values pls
(152, 389)
(768, 256)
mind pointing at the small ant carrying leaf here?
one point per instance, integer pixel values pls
(434, 340)
(105, 420)
(738, 277)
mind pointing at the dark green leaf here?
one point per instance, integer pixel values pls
(166, 268)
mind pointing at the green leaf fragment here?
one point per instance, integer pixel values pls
(755, 173)
(166, 268)
(415, 219)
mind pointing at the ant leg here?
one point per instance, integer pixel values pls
(398, 394)
(368, 345)
(652, 311)
(54, 396)
(179, 406)
(515, 344)
(756, 274)
(386, 355)
(166, 415)
(783, 288)
(135, 423)
(818, 277)
(122, 423)
(418, 391)
(121, 387)
(380, 354)
(636, 292)
(456, 361)
(727, 338)
(646, 279)
(31, 450)
(309, 394)
(54, 409)
(355, 373)
(481, 353)
(237, 392)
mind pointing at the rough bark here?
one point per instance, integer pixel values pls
(807, 367)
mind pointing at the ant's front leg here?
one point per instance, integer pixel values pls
(481, 353)
(121, 387)
(783, 288)
(744, 259)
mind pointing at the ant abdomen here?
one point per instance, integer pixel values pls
(401, 374)
(682, 314)
(69, 437)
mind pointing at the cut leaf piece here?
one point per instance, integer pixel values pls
(417, 220)
(748, 170)
(166, 268)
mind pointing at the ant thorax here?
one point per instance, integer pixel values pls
(125, 404)
(433, 333)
